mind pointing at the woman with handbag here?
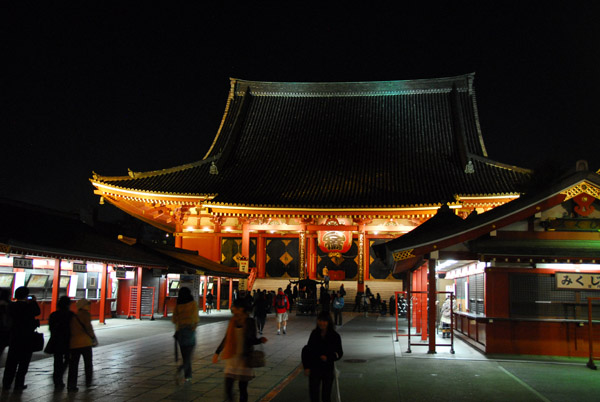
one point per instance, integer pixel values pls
(82, 340)
(237, 349)
(185, 318)
(318, 357)
(60, 336)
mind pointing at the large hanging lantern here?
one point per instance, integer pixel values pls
(334, 241)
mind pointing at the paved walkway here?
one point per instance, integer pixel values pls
(135, 362)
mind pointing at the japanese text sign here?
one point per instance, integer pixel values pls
(577, 281)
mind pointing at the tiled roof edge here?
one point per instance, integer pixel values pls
(463, 83)
(153, 173)
(500, 164)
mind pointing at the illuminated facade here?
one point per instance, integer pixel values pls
(306, 175)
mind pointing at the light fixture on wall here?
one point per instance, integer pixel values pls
(213, 168)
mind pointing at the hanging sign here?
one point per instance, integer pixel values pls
(79, 267)
(334, 241)
(22, 262)
(577, 281)
(120, 273)
(243, 264)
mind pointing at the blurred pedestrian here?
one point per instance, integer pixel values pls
(185, 318)
(5, 320)
(282, 305)
(235, 348)
(318, 357)
(59, 324)
(81, 342)
(260, 312)
(22, 313)
(338, 306)
(209, 302)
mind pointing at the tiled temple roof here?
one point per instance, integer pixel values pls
(341, 145)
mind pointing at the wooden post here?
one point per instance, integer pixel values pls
(261, 256)
(219, 293)
(423, 275)
(246, 239)
(230, 292)
(102, 315)
(138, 302)
(360, 285)
(432, 310)
(165, 296)
(56, 284)
(204, 293)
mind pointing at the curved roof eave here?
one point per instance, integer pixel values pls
(135, 193)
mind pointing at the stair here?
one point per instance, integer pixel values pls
(385, 288)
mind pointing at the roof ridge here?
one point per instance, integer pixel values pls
(356, 88)
(501, 165)
(153, 173)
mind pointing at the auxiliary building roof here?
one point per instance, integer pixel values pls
(341, 145)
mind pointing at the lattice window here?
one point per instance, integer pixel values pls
(535, 296)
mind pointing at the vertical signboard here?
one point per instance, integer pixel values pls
(243, 265)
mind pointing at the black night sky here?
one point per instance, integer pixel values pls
(109, 87)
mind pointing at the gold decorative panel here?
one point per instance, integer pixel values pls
(581, 188)
(404, 255)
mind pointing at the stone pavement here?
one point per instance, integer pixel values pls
(135, 362)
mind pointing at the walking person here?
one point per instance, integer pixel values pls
(260, 312)
(209, 302)
(357, 302)
(318, 356)
(365, 304)
(185, 318)
(338, 306)
(324, 299)
(281, 304)
(82, 340)
(5, 320)
(288, 292)
(22, 313)
(59, 324)
(326, 277)
(235, 349)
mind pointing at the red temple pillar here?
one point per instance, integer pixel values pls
(230, 293)
(138, 302)
(312, 259)
(245, 238)
(219, 293)
(165, 294)
(204, 293)
(423, 280)
(432, 298)
(261, 256)
(55, 284)
(103, 284)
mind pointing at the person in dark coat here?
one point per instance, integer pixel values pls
(318, 356)
(5, 320)
(22, 313)
(260, 312)
(59, 324)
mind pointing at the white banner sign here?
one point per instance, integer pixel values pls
(577, 281)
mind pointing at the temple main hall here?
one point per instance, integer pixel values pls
(303, 176)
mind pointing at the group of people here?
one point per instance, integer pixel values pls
(324, 345)
(71, 337)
